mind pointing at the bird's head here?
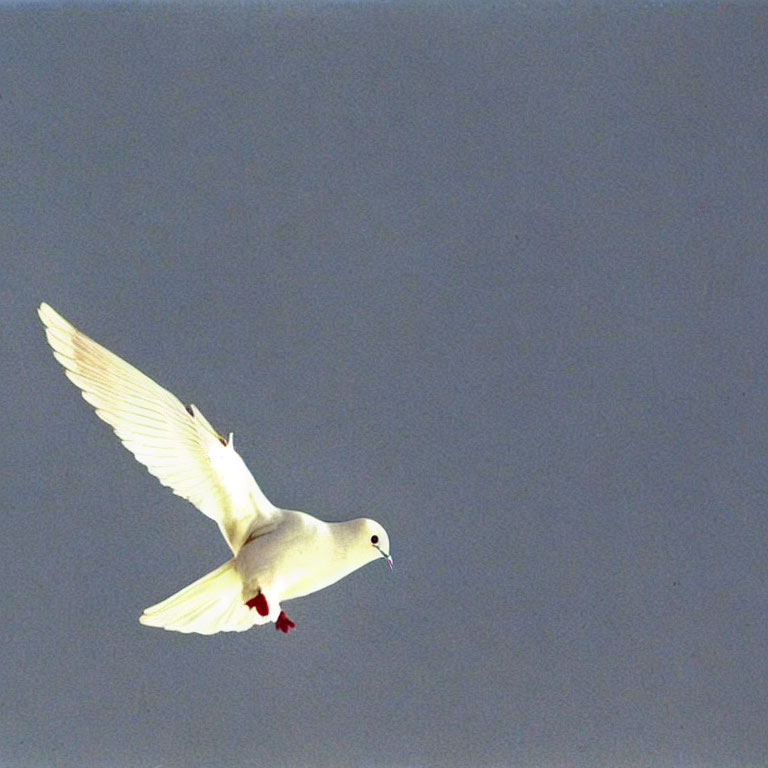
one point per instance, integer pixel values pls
(378, 540)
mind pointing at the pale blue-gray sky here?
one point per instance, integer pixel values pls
(494, 274)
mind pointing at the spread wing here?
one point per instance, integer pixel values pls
(175, 443)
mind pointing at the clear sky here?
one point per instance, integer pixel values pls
(493, 274)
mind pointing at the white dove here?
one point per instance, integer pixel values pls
(278, 554)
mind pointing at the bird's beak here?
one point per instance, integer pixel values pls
(385, 556)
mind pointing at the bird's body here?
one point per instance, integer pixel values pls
(278, 554)
(321, 553)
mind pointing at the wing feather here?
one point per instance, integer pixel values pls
(175, 443)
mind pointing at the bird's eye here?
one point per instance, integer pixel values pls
(374, 539)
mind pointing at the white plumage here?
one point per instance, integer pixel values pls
(277, 554)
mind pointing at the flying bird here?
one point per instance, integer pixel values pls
(277, 554)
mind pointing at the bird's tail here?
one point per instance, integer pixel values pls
(211, 604)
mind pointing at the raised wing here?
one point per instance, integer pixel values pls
(175, 443)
